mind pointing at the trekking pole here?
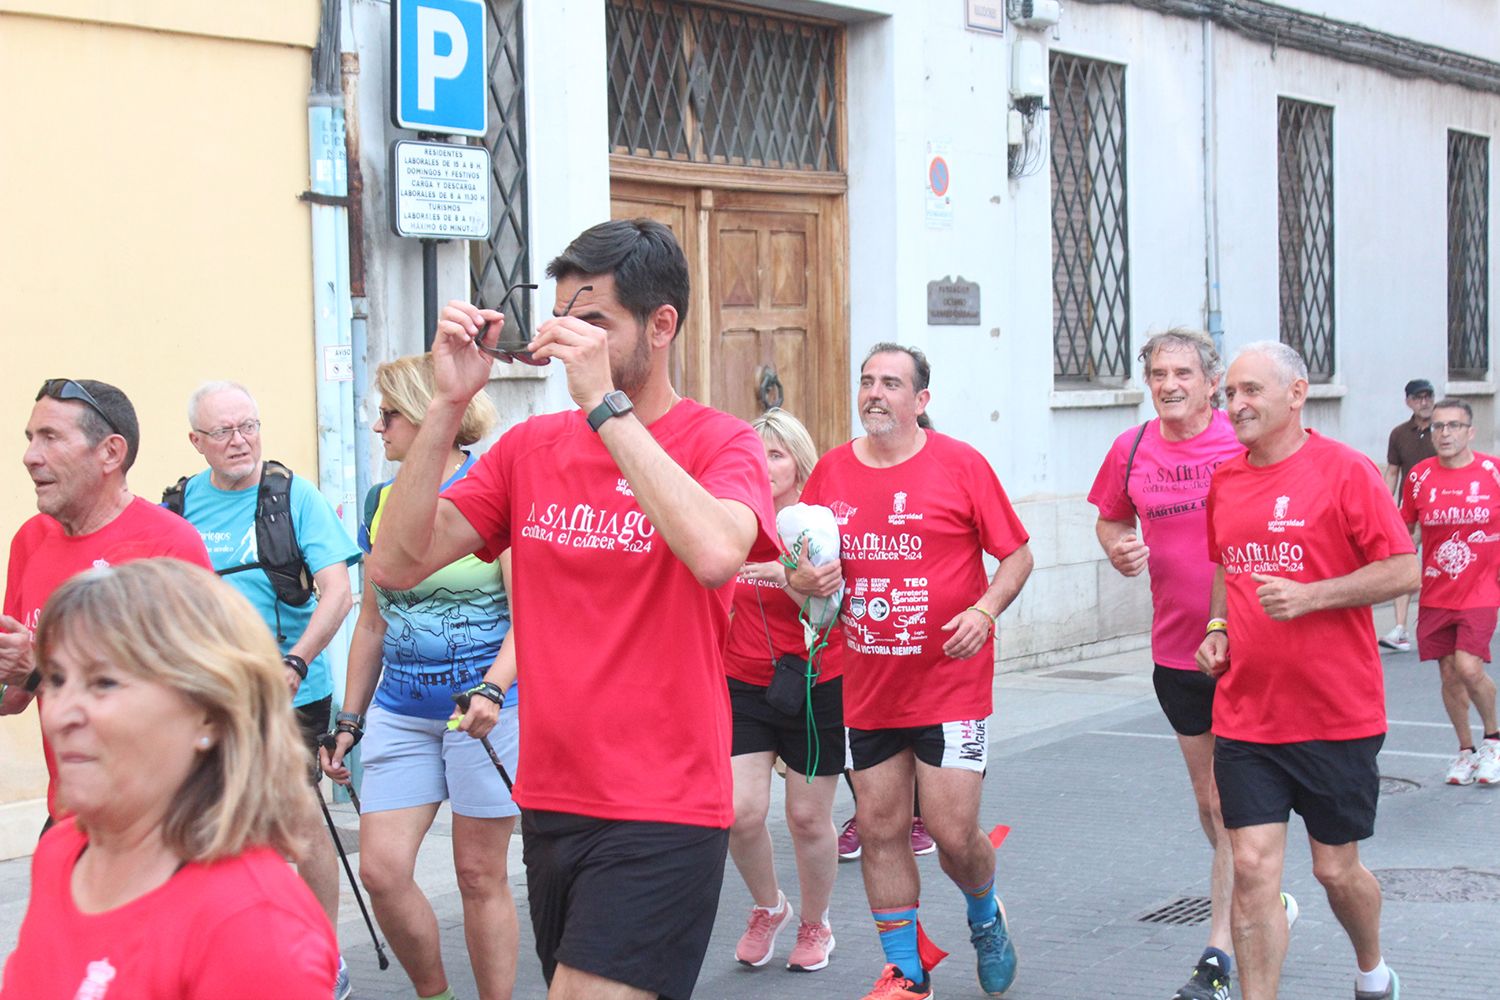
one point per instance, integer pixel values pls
(462, 698)
(385, 963)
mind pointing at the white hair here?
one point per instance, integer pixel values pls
(1288, 363)
(213, 389)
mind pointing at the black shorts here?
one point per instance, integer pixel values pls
(1187, 698)
(1332, 784)
(759, 728)
(627, 900)
(312, 722)
(963, 745)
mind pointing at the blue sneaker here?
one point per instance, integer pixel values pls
(996, 954)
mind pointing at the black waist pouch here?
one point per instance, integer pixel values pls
(788, 688)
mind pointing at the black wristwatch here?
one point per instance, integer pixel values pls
(485, 689)
(615, 404)
(352, 723)
(297, 664)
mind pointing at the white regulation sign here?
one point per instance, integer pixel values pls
(440, 191)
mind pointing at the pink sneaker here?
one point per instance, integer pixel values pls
(814, 945)
(849, 841)
(921, 840)
(759, 939)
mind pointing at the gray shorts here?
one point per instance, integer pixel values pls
(410, 761)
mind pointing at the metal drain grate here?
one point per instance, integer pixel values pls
(1395, 786)
(1082, 675)
(1439, 885)
(1182, 912)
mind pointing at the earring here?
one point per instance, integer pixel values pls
(204, 743)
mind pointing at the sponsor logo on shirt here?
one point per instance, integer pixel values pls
(1453, 557)
(623, 486)
(584, 526)
(899, 514)
(101, 564)
(1279, 521)
(1454, 515)
(96, 980)
(842, 511)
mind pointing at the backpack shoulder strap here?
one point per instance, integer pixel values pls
(174, 497)
(1130, 462)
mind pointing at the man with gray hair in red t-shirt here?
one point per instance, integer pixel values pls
(1305, 538)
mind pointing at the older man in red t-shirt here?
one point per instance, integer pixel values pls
(1306, 538)
(82, 439)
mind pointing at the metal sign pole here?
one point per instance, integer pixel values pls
(429, 293)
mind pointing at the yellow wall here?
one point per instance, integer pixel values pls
(151, 237)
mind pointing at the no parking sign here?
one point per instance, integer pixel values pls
(939, 186)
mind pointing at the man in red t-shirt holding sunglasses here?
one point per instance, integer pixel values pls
(1305, 538)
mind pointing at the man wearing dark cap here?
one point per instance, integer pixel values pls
(82, 438)
(1411, 442)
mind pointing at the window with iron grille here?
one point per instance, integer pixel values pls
(502, 258)
(1090, 268)
(1304, 209)
(711, 85)
(1468, 256)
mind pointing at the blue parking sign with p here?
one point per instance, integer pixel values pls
(438, 62)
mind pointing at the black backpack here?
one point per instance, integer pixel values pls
(275, 537)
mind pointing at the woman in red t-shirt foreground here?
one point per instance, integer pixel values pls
(766, 626)
(164, 700)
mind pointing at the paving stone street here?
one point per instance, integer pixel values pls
(1085, 771)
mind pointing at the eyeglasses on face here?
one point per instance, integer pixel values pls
(1451, 425)
(67, 390)
(386, 416)
(508, 346)
(247, 428)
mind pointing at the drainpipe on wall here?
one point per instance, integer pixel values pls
(1211, 192)
(333, 357)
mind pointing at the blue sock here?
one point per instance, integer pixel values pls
(1222, 958)
(980, 900)
(898, 939)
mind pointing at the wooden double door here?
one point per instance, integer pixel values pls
(767, 323)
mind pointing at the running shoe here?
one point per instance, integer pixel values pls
(1391, 992)
(1487, 763)
(1397, 639)
(814, 945)
(1461, 771)
(759, 939)
(341, 985)
(892, 985)
(1289, 903)
(921, 840)
(995, 953)
(1208, 982)
(849, 841)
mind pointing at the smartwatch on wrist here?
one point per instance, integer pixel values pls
(615, 404)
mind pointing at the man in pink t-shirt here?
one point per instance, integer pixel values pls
(628, 518)
(1306, 538)
(1455, 497)
(1158, 474)
(917, 512)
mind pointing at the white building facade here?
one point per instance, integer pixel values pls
(1319, 174)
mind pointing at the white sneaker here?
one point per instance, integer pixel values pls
(1289, 903)
(1487, 763)
(1397, 639)
(1461, 771)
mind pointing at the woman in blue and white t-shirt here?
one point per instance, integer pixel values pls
(448, 634)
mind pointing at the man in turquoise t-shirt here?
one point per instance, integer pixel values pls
(221, 502)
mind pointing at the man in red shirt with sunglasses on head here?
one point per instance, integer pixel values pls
(82, 439)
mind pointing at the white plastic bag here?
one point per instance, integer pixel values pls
(809, 532)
